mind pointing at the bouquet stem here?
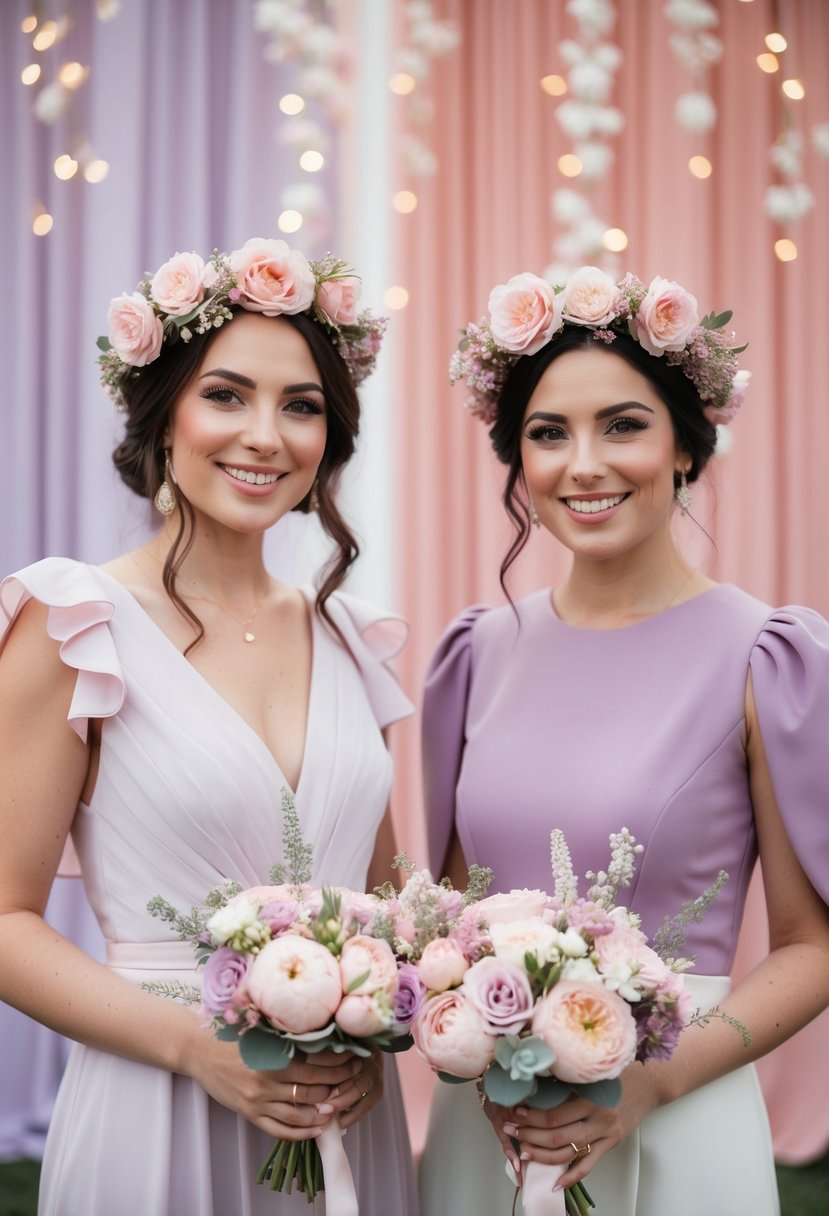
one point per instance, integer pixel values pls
(293, 1161)
(577, 1201)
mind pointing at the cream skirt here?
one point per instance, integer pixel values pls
(707, 1154)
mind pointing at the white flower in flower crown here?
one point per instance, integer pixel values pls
(590, 297)
(695, 112)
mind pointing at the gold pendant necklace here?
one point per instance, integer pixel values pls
(247, 633)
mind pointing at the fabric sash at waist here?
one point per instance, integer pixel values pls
(150, 956)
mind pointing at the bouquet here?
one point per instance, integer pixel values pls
(288, 967)
(557, 995)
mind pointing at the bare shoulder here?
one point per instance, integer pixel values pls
(31, 665)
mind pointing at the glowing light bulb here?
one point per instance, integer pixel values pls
(793, 89)
(404, 201)
(785, 250)
(73, 74)
(556, 86)
(402, 83)
(396, 297)
(615, 240)
(700, 166)
(311, 161)
(31, 73)
(776, 42)
(768, 62)
(45, 36)
(29, 24)
(569, 165)
(42, 224)
(291, 103)
(289, 221)
(96, 171)
(65, 167)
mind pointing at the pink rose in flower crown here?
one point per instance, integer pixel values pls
(372, 959)
(362, 1016)
(590, 298)
(178, 286)
(273, 278)
(592, 1031)
(223, 979)
(501, 993)
(295, 982)
(524, 314)
(512, 905)
(666, 318)
(442, 964)
(338, 300)
(135, 332)
(452, 1036)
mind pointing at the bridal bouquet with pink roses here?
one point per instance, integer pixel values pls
(558, 994)
(290, 968)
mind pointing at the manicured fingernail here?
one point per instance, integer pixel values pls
(335, 1092)
(525, 1156)
(313, 1132)
(510, 1129)
(325, 1108)
(521, 1111)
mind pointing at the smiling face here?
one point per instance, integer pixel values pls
(249, 430)
(599, 454)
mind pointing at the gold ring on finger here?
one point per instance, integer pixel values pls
(293, 1093)
(581, 1152)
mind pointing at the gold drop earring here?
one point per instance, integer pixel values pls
(165, 499)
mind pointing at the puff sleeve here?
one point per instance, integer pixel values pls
(374, 637)
(444, 730)
(790, 676)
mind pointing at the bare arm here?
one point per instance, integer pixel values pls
(43, 769)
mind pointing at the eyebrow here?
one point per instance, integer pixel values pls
(237, 378)
(607, 412)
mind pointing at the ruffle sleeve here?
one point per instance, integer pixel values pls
(790, 677)
(374, 637)
(78, 619)
(444, 730)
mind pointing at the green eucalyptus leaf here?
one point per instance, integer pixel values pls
(357, 981)
(228, 1034)
(451, 1079)
(500, 1087)
(261, 1050)
(603, 1093)
(104, 344)
(549, 1094)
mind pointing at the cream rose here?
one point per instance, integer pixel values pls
(512, 940)
(590, 298)
(178, 286)
(666, 318)
(592, 1031)
(338, 300)
(511, 905)
(135, 332)
(273, 278)
(524, 314)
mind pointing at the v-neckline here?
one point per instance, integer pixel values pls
(231, 709)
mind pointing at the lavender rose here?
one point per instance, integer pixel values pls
(408, 999)
(223, 978)
(501, 993)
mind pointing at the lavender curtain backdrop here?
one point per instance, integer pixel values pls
(183, 105)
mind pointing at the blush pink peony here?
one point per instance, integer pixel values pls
(273, 278)
(371, 961)
(338, 300)
(666, 318)
(178, 286)
(442, 965)
(361, 1016)
(524, 314)
(590, 298)
(453, 1037)
(592, 1031)
(511, 905)
(135, 332)
(295, 982)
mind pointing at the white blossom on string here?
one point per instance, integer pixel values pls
(698, 50)
(426, 38)
(589, 121)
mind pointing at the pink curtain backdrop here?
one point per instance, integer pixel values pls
(486, 215)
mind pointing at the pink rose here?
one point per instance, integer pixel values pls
(442, 965)
(666, 318)
(264, 895)
(357, 905)
(362, 1016)
(592, 1031)
(501, 993)
(524, 314)
(135, 332)
(590, 298)
(511, 905)
(295, 982)
(371, 958)
(273, 278)
(338, 300)
(178, 286)
(628, 946)
(453, 1037)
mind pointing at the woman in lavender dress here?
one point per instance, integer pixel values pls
(158, 706)
(636, 693)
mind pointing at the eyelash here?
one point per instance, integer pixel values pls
(552, 433)
(218, 394)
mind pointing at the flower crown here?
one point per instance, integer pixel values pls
(188, 296)
(528, 312)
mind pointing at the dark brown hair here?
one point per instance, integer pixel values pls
(695, 435)
(150, 395)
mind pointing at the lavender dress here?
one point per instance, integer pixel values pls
(188, 795)
(591, 730)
